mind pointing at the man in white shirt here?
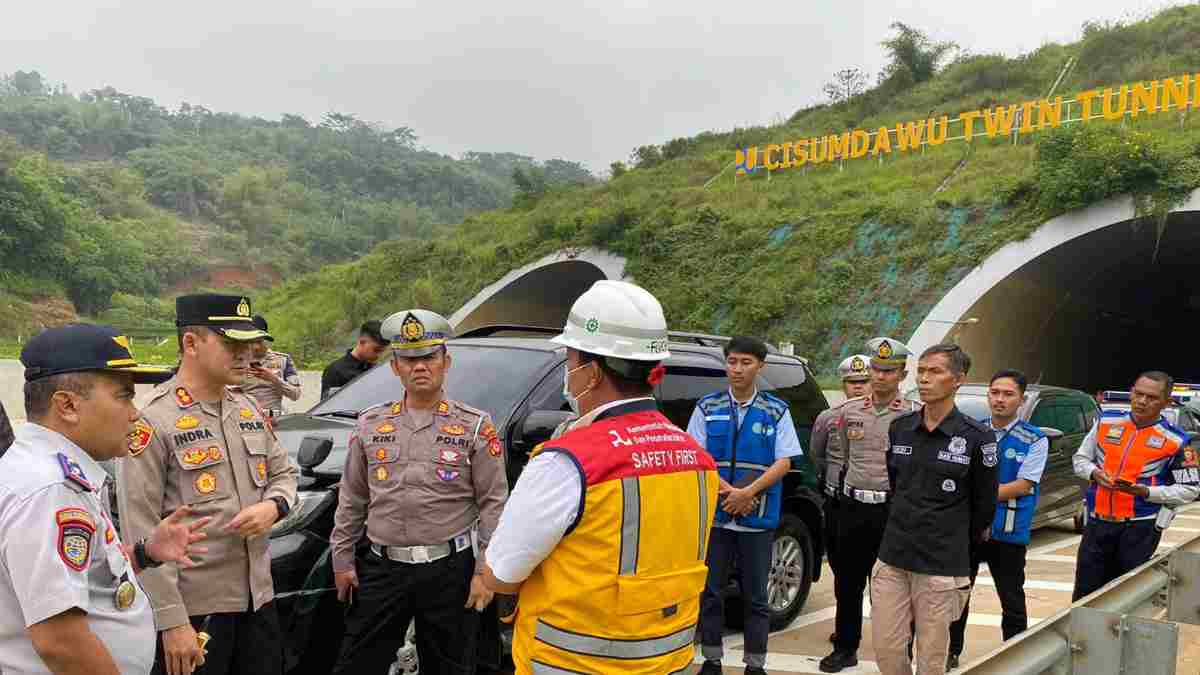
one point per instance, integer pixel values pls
(751, 436)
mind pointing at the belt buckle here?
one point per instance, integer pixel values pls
(420, 554)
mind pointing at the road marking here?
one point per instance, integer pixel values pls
(1181, 517)
(1061, 543)
(1069, 559)
(1183, 529)
(795, 663)
(1032, 583)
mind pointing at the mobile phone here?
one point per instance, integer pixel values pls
(256, 364)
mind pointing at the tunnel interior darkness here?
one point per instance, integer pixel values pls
(1095, 311)
(542, 297)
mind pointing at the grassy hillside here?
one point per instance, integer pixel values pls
(826, 257)
(106, 192)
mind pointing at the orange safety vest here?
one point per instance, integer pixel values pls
(620, 592)
(1142, 456)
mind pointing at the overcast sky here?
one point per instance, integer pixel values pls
(581, 80)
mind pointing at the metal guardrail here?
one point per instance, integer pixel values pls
(1110, 632)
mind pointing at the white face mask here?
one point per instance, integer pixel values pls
(573, 401)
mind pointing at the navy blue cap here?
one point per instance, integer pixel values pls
(78, 348)
(228, 315)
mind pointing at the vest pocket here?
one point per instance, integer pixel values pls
(652, 593)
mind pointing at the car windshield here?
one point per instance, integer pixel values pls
(490, 378)
(973, 405)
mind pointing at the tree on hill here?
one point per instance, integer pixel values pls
(845, 85)
(914, 57)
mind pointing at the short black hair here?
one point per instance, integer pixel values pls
(628, 376)
(374, 330)
(1167, 381)
(744, 344)
(39, 392)
(1014, 375)
(960, 362)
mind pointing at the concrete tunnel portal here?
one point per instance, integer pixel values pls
(1088, 301)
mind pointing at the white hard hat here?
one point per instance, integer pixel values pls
(617, 319)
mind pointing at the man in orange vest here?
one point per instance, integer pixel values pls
(1140, 467)
(605, 534)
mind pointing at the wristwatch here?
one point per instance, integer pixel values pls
(142, 557)
(282, 505)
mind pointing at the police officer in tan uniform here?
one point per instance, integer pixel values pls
(272, 375)
(859, 437)
(856, 383)
(202, 441)
(424, 477)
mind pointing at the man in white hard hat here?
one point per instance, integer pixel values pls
(604, 536)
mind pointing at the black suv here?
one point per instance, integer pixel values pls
(515, 374)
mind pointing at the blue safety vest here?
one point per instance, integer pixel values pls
(1014, 517)
(745, 452)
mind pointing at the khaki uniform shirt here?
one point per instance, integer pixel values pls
(220, 458)
(419, 478)
(268, 396)
(859, 433)
(59, 551)
(827, 466)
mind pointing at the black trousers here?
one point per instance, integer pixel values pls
(859, 533)
(242, 643)
(830, 533)
(1109, 550)
(1006, 562)
(753, 551)
(390, 595)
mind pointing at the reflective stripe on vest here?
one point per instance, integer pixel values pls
(591, 645)
(700, 485)
(631, 523)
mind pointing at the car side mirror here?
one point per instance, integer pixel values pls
(1052, 433)
(313, 451)
(539, 426)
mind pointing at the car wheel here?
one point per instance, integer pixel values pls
(406, 662)
(790, 577)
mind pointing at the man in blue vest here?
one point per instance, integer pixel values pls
(751, 436)
(1022, 450)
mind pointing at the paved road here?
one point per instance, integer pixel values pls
(1050, 573)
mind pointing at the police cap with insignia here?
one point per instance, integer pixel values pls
(854, 368)
(888, 353)
(228, 315)
(416, 332)
(79, 348)
(260, 322)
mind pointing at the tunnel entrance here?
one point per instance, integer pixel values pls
(1094, 312)
(1090, 312)
(539, 294)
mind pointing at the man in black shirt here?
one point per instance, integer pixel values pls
(355, 362)
(6, 431)
(942, 469)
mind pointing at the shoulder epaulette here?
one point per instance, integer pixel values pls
(73, 473)
(463, 407)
